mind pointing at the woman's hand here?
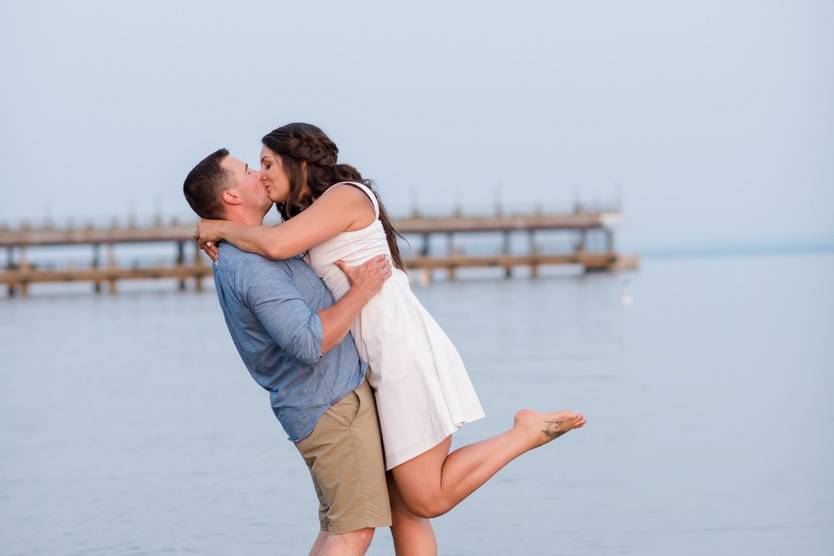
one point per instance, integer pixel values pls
(207, 234)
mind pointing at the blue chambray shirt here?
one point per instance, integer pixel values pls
(270, 310)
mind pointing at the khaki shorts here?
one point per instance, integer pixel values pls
(344, 455)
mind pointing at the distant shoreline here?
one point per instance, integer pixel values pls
(799, 248)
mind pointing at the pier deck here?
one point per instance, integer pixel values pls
(19, 273)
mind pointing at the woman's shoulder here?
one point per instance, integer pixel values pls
(348, 195)
(345, 190)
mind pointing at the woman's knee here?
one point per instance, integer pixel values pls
(427, 506)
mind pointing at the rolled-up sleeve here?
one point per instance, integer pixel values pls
(278, 304)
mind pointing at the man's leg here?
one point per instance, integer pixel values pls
(353, 543)
(324, 522)
(344, 454)
(316, 550)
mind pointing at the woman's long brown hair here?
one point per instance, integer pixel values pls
(297, 143)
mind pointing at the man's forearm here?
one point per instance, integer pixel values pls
(336, 319)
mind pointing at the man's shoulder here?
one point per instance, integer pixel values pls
(247, 269)
(234, 259)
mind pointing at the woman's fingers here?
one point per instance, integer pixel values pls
(211, 251)
(207, 247)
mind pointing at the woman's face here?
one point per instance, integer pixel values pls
(273, 176)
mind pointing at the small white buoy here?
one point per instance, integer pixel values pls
(625, 295)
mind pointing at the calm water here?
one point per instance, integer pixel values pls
(128, 424)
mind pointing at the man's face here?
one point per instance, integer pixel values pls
(248, 185)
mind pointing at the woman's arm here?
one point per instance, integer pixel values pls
(325, 218)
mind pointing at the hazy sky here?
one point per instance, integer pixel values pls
(714, 119)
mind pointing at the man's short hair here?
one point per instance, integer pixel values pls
(205, 183)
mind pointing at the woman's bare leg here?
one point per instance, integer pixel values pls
(413, 535)
(436, 481)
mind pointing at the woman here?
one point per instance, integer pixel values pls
(422, 388)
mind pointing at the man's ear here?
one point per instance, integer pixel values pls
(231, 196)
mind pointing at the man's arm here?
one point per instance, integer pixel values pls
(289, 320)
(366, 281)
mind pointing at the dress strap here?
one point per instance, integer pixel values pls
(367, 191)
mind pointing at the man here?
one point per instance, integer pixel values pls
(295, 342)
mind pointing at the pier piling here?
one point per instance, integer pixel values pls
(96, 266)
(10, 267)
(181, 262)
(111, 267)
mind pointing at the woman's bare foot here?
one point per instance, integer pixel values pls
(540, 428)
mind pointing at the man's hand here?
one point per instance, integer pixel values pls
(365, 282)
(369, 276)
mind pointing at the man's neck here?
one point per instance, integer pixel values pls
(250, 218)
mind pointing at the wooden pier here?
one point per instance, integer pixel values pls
(191, 266)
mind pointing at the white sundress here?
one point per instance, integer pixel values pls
(423, 392)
